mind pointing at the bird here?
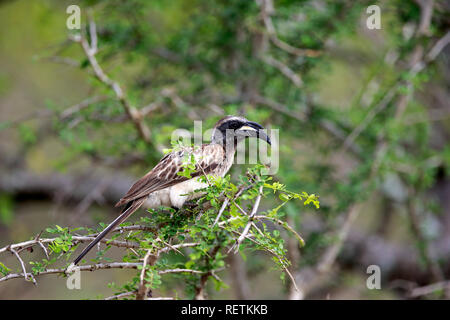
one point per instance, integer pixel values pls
(164, 186)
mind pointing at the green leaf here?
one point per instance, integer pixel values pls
(6, 209)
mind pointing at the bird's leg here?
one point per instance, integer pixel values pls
(191, 204)
(174, 211)
(187, 208)
(190, 207)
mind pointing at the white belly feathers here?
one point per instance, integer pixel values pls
(176, 195)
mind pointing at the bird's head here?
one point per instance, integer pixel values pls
(234, 129)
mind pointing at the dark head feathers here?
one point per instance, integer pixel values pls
(230, 122)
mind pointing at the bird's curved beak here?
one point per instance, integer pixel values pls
(254, 129)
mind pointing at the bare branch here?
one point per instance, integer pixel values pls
(222, 209)
(430, 289)
(92, 267)
(92, 34)
(142, 288)
(284, 225)
(169, 271)
(438, 47)
(80, 106)
(425, 17)
(121, 295)
(28, 276)
(250, 221)
(75, 239)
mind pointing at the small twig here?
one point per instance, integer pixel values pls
(171, 247)
(438, 47)
(41, 245)
(132, 112)
(92, 267)
(99, 266)
(178, 246)
(240, 209)
(180, 271)
(283, 265)
(250, 220)
(284, 225)
(128, 228)
(23, 266)
(227, 201)
(429, 289)
(92, 34)
(121, 295)
(80, 106)
(426, 10)
(329, 257)
(75, 239)
(284, 69)
(142, 289)
(222, 209)
(215, 276)
(150, 108)
(63, 60)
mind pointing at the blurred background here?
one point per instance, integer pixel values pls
(363, 114)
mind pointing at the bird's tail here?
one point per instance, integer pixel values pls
(126, 212)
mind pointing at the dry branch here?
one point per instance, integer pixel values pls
(90, 52)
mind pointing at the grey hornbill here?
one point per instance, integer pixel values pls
(162, 186)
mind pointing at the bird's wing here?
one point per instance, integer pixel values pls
(165, 173)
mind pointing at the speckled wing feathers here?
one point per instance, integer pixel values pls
(165, 173)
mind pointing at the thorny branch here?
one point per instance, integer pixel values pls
(250, 220)
(153, 254)
(98, 266)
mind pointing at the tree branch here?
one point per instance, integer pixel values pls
(90, 52)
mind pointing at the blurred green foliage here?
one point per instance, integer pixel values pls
(202, 59)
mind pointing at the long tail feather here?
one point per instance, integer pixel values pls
(126, 212)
